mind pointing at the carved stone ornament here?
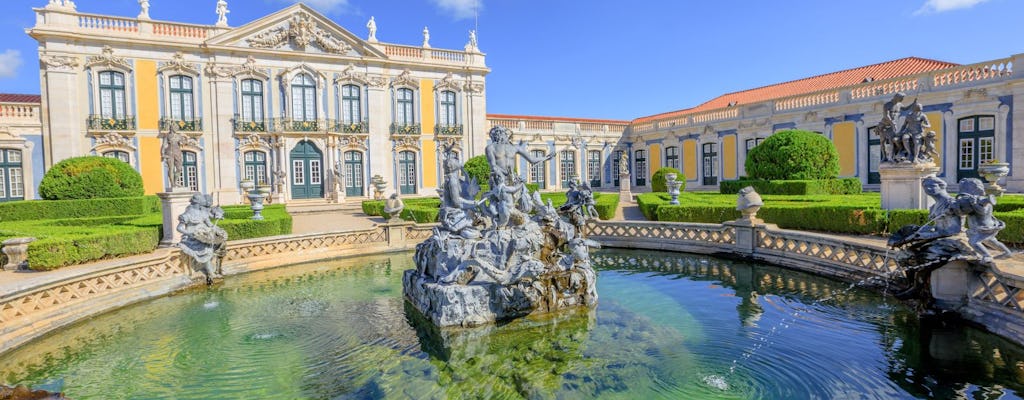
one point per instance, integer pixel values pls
(178, 64)
(378, 81)
(218, 71)
(249, 68)
(450, 142)
(473, 88)
(448, 83)
(405, 141)
(108, 59)
(189, 141)
(254, 140)
(114, 139)
(709, 131)
(811, 116)
(59, 63)
(405, 79)
(350, 141)
(976, 94)
(349, 74)
(301, 32)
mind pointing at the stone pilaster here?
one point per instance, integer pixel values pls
(221, 147)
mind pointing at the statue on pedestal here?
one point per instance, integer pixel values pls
(222, 13)
(144, 9)
(171, 155)
(886, 130)
(372, 27)
(202, 240)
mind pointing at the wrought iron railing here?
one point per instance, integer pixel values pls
(402, 129)
(350, 127)
(195, 125)
(293, 125)
(101, 123)
(248, 126)
(448, 130)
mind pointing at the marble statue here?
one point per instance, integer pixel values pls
(372, 27)
(912, 133)
(171, 155)
(393, 207)
(222, 13)
(144, 12)
(472, 39)
(426, 37)
(886, 130)
(202, 240)
(623, 164)
(982, 227)
(505, 254)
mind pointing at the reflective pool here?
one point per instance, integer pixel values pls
(668, 325)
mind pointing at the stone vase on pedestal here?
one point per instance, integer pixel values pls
(174, 204)
(625, 194)
(901, 185)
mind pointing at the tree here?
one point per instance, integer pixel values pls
(793, 155)
(90, 177)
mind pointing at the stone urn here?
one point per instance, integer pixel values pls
(256, 203)
(993, 171)
(673, 186)
(246, 185)
(378, 187)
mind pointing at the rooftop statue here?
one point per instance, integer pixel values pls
(372, 27)
(504, 255)
(202, 240)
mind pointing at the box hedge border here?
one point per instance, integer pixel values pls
(426, 210)
(794, 187)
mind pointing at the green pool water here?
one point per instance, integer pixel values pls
(668, 325)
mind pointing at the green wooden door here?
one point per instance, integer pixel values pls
(353, 173)
(407, 172)
(307, 171)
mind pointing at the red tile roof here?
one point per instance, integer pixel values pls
(559, 119)
(19, 98)
(880, 71)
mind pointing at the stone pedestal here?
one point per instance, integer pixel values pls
(174, 204)
(16, 250)
(901, 185)
(949, 284)
(625, 195)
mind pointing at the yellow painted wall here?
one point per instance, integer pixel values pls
(655, 160)
(690, 159)
(729, 157)
(844, 136)
(935, 118)
(148, 96)
(427, 125)
(149, 164)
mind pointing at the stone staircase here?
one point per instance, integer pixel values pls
(320, 206)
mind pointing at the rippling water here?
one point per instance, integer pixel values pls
(667, 326)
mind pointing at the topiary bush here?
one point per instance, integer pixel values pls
(658, 180)
(90, 177)
(793, 154)
(477, 167)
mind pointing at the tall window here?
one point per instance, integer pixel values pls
(190, 175)
(12, 177)
(252, 100)
(350, 106)
(976, 138)
(181, 98)
(447, 109)
(753, 142)
(615, 167)
(303, 98)
(537, 170)
(640, 167)
(256, 167)
(118, 154)
(594, 167)
(112, 102)
(672, 157)
(568, 164)
(404, 114)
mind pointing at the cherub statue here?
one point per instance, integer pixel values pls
(201, 239)
(982, 227)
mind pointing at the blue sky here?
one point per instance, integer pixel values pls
(615, 59)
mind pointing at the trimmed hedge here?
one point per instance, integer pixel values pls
(477, 167)
(90, 177)
(426, 210)
(237, 222)
(658, 180)
(83, 246)
(794, 187)
(793, 154)
(649, 203)
(85, 208)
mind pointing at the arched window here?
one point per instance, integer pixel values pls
(594, 168)
(640, 167)
(190, 176)
(181, 98)
(407, 172)
(568, 164)
(303, 98)
(252, 101)
(351, 112)
(112, 98)
(118, 154)
(404, 114)
(672, 157)
(537, 174)
(12, 177)
(446, 109)
(256, 167)
(353, 173)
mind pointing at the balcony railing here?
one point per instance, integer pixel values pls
(448, 130)
(402, 129)
(350, 127)
(249, 126)
(101, 123)
(195, 125)
(291, 125)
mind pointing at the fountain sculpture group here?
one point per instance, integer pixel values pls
(503, 253)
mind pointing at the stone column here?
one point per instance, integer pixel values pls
(174, 204)
(901, 185)
(221, 147)
(378, 155)
(476, 126)
(63, 117)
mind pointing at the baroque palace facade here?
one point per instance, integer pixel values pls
(296, 102)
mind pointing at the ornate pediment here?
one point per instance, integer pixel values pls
(108, 59)
(448, 83)
(353, 141)
(179, 65)
(400, 142)
(247, 69)
(350, 75)
(300, 32)
(405, 79)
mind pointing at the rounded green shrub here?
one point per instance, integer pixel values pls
(477, 167)
(793, 154)
(90, 177)
(658, 180)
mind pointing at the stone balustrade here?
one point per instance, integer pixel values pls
(559, 126)
(19, 113)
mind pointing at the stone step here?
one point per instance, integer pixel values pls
(321, 206)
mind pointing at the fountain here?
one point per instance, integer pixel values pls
(202, 241)
(506, 254)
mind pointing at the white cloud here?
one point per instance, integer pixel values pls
(460, 9)
(10, 60)
(324, 6)
(937, 6)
